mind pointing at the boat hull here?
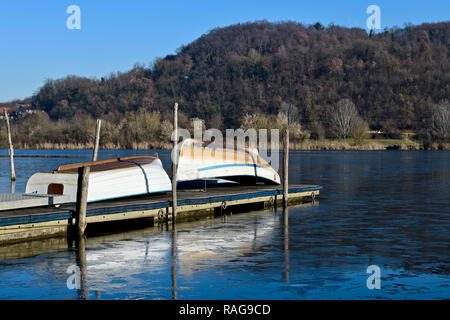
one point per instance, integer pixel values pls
(198, 162)
(132, 179)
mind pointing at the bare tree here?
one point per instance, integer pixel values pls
(288, 118)
(359, 130)
(441, 120)
(288, 113)
(342, 118)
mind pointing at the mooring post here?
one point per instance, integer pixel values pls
(285, 166)
(174, 164)
(11, 149)
(97, 139)
(81, 205)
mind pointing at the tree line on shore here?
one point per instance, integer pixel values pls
(152, 130)
(341, 81)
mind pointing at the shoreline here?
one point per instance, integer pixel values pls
(307, 145)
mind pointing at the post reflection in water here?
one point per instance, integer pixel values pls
(174, 262)
(255, 233)
(286, 243)
(80, 243)
(13, 186)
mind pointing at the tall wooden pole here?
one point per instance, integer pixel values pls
(97, 139)
(285, 166)
(81, 205)
(11, 149)
(174, 165)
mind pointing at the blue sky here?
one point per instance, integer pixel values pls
(35, 43)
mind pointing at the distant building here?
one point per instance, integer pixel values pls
(2, 112)
(19, 111)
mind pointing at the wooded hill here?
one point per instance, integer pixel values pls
(393, 77)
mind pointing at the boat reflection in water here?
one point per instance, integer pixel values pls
(183, 250)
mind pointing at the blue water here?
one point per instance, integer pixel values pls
(383, 208)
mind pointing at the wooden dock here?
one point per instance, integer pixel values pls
(9, 201)
(46, 221)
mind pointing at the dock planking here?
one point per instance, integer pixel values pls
(9, 201)
(37, 222)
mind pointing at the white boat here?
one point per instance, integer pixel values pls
(200, 161)
(108, 179)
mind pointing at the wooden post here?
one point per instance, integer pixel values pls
(97, 139)
(81, 205)
(286, 166)
(174, 165)
(11, 149)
